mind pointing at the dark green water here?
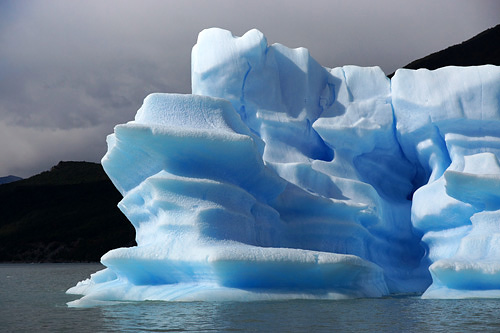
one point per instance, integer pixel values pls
(33, 299)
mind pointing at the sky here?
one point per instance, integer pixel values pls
(72, 70)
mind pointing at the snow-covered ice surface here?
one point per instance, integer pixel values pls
(279, 178)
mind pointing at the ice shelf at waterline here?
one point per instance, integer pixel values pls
(279, 178)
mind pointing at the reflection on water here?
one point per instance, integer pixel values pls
(33, 299)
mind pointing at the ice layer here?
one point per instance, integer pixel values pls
(279, 178)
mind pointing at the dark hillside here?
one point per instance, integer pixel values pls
(482, 49)
(63, 215)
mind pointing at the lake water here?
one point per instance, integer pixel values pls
(32, 298)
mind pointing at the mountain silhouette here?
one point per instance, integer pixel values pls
(67, 214)
(9, 179)
(482, 49)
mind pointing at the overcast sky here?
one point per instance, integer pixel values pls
(71, 70)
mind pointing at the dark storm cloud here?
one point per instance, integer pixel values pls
(71, 70)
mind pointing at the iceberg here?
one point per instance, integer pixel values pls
(278, 178)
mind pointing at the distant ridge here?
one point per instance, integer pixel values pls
(67, 214)
(9, 179)
(482, 49)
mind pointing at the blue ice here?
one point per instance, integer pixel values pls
(278, 178)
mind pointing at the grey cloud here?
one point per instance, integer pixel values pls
(77, 68)
(25, 151)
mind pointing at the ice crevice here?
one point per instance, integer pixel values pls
(242, 97)
(279, 178)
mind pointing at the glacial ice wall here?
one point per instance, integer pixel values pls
(448, 125)
(279, 178)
